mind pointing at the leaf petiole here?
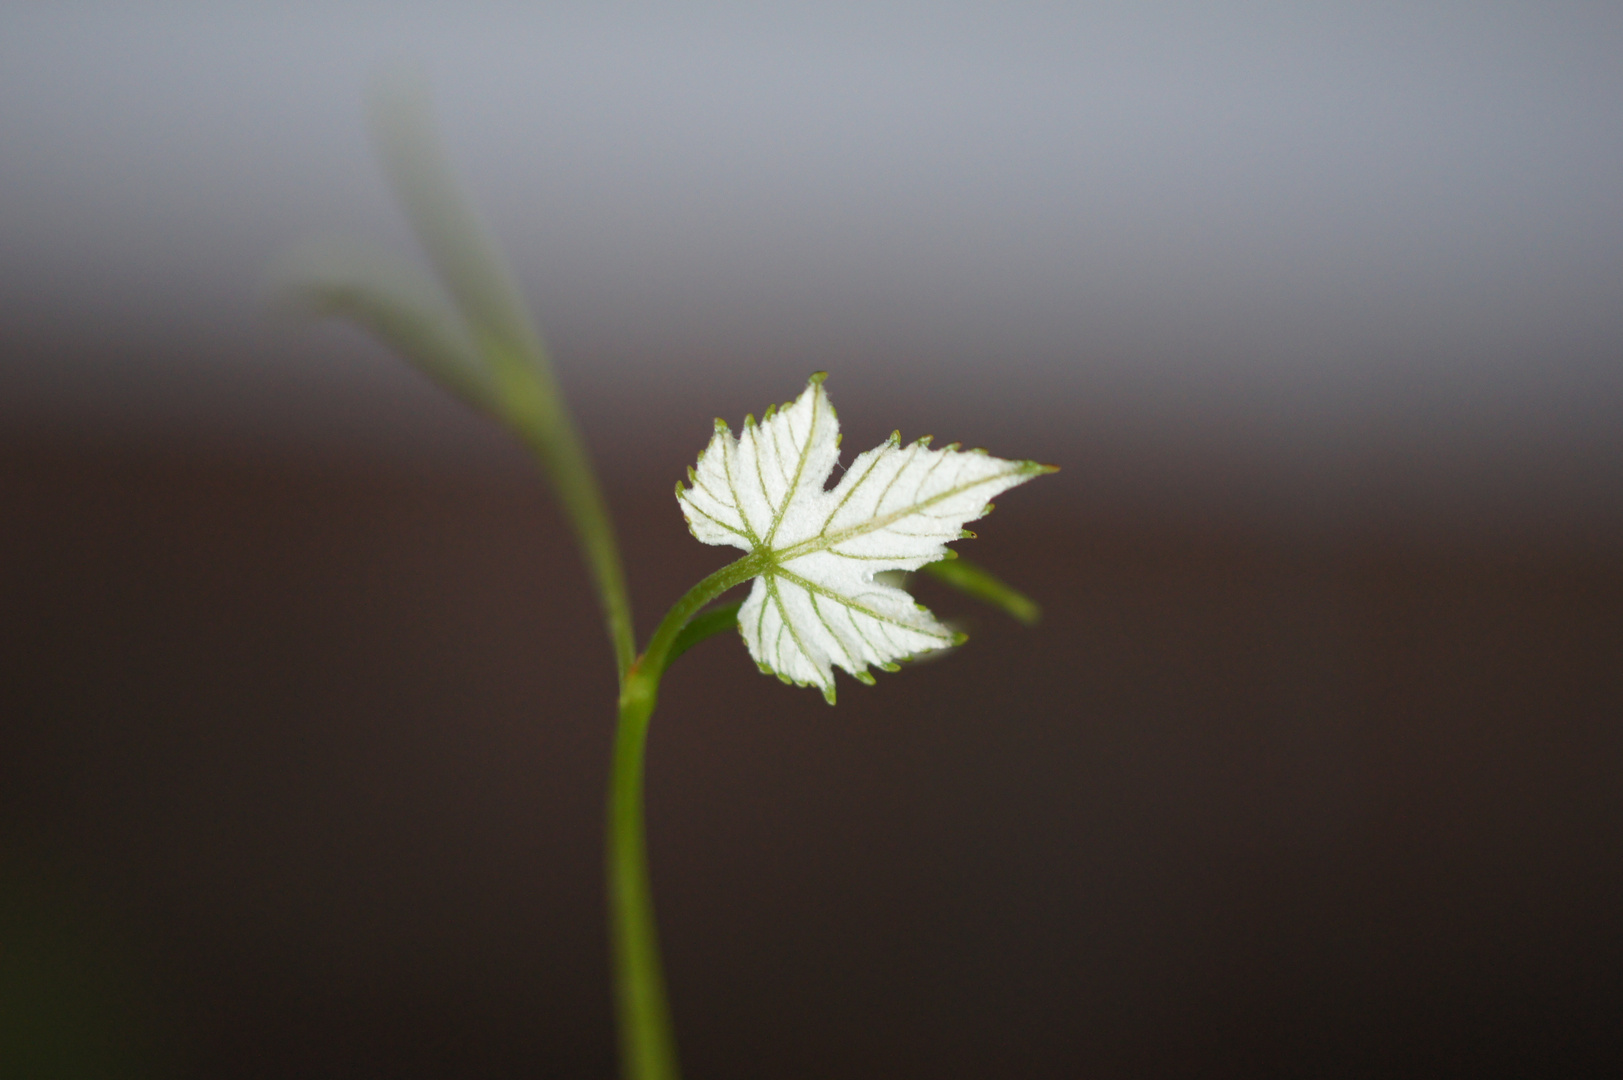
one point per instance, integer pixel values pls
(706, 624)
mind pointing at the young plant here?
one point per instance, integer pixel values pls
(821, 560)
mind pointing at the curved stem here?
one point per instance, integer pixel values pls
(647, 1041)
(529, 401)
(658, 654)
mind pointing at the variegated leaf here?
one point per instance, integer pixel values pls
(815, 605)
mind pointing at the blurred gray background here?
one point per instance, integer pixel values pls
(1341, 253)
(1311, 770)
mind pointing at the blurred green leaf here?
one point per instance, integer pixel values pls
(458, 244)
(399, 304)
(983, 585)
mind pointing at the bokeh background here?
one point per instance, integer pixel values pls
(1311, 770)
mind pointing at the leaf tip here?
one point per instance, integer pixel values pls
(896, 437)
(965, 534)
(959, 637)
(865, 678)
(771, 411)
(888, 666)
(721, 426)
(828, 692)
(924, 440)
(817, 378)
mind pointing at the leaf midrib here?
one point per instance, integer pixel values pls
(824, 541)
(800, 468)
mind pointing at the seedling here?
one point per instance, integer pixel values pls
(824, 563)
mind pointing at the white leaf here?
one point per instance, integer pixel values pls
(815, 605)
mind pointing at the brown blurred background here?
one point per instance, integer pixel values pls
(1312, 768)
(303, 768)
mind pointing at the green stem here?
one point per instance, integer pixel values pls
(659, 653)
(647, 1040)
(529, 400)
(515, 379)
